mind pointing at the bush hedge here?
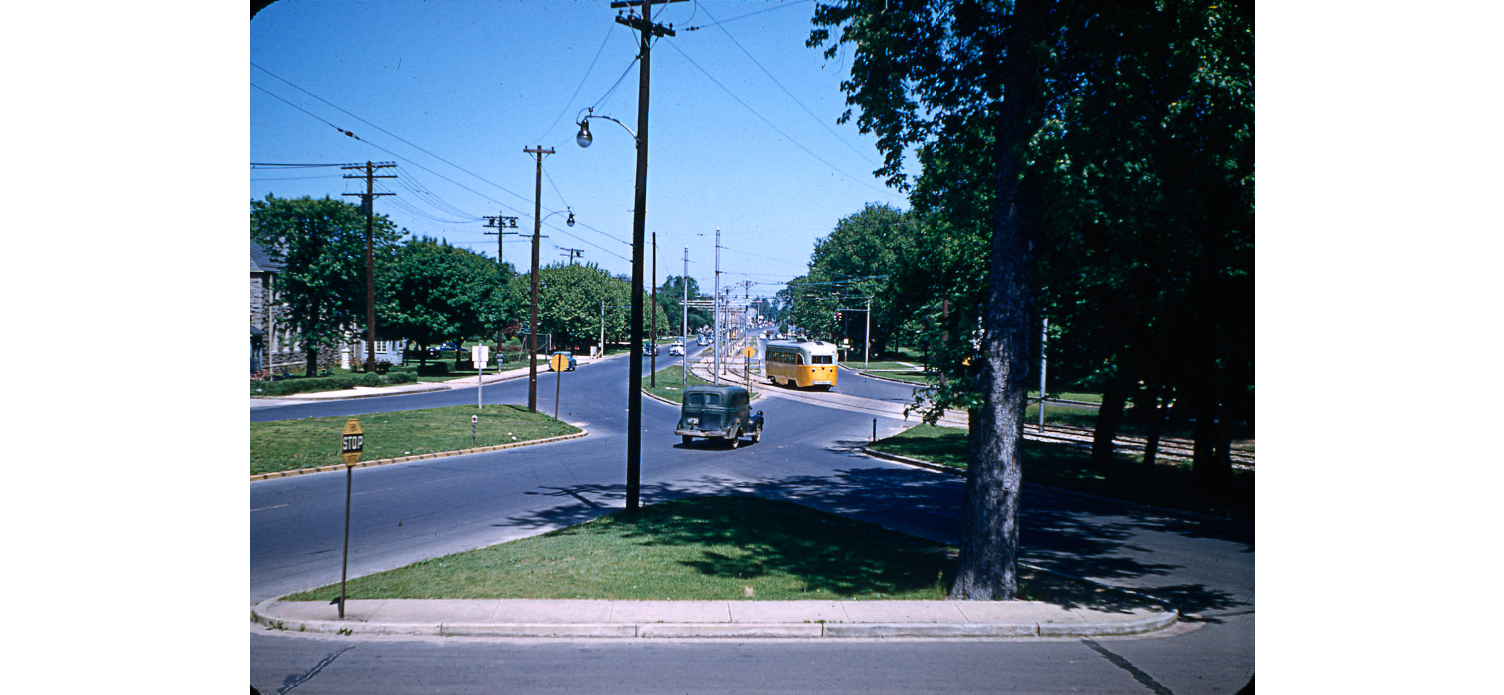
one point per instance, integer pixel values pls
(329, 383)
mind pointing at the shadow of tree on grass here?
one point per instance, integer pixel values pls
(851, 560)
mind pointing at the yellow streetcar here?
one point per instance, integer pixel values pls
(803, 363)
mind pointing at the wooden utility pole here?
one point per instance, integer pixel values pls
(647, 31)
(367, 201)
(500, 223)
(532, 328)
(653, 358)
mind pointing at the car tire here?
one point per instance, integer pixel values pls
(736, 438)
(688, 439)
(757, 435)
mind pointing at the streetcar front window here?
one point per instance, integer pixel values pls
(822, 359)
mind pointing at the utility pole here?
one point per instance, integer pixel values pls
(653, 358)
(368, 202)
(867, 336)
(500, 223)
(684, 327)
(716, 346)
(647, 31)
(532, 328)
(572, 254)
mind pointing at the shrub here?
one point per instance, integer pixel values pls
(329, 383)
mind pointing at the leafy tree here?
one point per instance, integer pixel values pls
(671, 298)
(435, 292)
(856, 258)
(570, 297)
(321, 246)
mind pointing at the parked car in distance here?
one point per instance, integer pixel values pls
(649, 348)
(566, 353)
(676, 350)
(718, 412)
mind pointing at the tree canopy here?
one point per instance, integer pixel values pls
(1087, 163)
(320, 243)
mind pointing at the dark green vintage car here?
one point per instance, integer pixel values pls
(718, 412)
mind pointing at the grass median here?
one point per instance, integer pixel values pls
(670, 384)
(1166, 484)
(704, 548)
(293, 444)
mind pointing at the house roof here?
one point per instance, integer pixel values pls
(261, 262)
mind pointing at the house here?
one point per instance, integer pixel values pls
(354, 353)
(274, 347)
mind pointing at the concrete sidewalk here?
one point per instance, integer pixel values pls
(709, 619)
(424, 387)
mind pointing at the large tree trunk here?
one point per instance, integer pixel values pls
(988, 565)
(1156, 426)
(1109, 417)
(311, 364)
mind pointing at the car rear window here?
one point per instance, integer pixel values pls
(697, 399)
(712, 399)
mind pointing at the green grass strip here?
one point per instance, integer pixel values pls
(670, 384)
(1166, 484)
(293, 444)
(707, 548)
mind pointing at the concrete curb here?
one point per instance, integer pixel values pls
(264, 614)
(417, 457)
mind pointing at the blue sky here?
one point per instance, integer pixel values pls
(474, 83)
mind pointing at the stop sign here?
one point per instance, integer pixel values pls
(352, 440)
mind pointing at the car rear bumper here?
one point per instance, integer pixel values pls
(708, 434)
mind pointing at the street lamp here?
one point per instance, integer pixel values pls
(569, 221)
(583, 137)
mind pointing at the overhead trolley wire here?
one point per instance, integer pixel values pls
(786, 136)
(787, 92)
(435, 173)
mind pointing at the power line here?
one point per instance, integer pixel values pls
(786, 136)
(790, 94)
(431, 171)
(733, 19)
(609, 30)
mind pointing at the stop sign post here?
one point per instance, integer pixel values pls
(352, 440)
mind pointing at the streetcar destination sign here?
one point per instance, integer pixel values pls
(352, 440)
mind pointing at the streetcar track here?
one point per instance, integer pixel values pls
(1170, 448)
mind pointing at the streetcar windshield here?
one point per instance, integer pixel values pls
(821, 359)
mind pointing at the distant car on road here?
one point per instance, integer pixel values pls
(650, 348)
(718, 412)
(676, 350)
(567, 354)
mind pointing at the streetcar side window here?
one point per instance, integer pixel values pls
(799, 359)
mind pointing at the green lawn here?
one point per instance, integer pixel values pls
(1167, 484)
(709, 548)
(671, 384)
(310, 443)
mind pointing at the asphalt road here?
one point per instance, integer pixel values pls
(406, 512)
